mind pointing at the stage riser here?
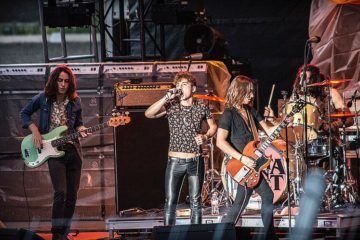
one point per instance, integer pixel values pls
(225, 231)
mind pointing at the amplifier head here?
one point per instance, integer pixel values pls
(140, 95)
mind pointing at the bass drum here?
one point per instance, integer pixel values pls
(275, 175)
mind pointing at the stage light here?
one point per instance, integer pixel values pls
(202, 38)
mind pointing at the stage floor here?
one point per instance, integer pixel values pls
(136, 224)
(334, 224)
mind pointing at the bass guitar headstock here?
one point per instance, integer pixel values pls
(118, 118)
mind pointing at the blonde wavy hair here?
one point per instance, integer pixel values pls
(239, 88)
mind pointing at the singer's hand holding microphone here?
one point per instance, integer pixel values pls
(172, 93)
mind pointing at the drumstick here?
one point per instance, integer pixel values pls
(271, 94)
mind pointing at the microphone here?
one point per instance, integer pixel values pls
(353, 98)
(175, 91)
(314, 39)
(195, 56)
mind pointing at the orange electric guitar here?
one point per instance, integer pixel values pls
(250, 177)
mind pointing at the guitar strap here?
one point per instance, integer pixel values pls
(252, 125)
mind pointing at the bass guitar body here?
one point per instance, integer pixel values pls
(34, 157)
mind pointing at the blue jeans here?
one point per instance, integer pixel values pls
(176, 170)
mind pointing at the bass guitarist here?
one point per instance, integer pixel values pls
(59, 105)
(237, 127)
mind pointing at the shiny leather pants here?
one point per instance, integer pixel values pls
(176, 170)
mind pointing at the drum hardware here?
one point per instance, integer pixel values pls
(284, 95)
(340, 180)
(295, 131)
(348, 186)
(297, 184)
(212, 180)
(331, 193)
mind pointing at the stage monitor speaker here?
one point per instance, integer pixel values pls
(141, 149)
(18, 234)
(219, 231)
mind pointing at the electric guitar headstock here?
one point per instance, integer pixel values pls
(299, 104)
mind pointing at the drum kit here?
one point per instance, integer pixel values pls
(304, 131)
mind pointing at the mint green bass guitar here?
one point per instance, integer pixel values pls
(34, 157)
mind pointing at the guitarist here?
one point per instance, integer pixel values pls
(237, 127)
(59, 105)
(185, 116)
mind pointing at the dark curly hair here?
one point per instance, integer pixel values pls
(315, 77)
(51, 87)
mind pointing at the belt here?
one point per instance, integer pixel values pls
(183, 160)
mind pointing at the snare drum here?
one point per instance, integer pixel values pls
(275, 175)
(318, 147)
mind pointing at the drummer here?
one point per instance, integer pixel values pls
(317, 97)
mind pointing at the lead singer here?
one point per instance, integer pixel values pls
(185, 116)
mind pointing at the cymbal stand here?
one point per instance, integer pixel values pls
(212, 180)
(347, 189)
(332, 175)
(297, 189)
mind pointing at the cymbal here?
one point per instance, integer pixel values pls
(343, 115)
(210, 98)
(329, 82)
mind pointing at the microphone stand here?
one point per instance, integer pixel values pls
(357, 126)
(189, 64)
(304, 85)
(331, 161)
(356, 141)
(284, 94)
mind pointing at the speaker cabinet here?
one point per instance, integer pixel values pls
(141, 149)
(219, 231)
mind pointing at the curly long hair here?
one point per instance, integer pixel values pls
(237, 91)
(315, 77)
(51, 87)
